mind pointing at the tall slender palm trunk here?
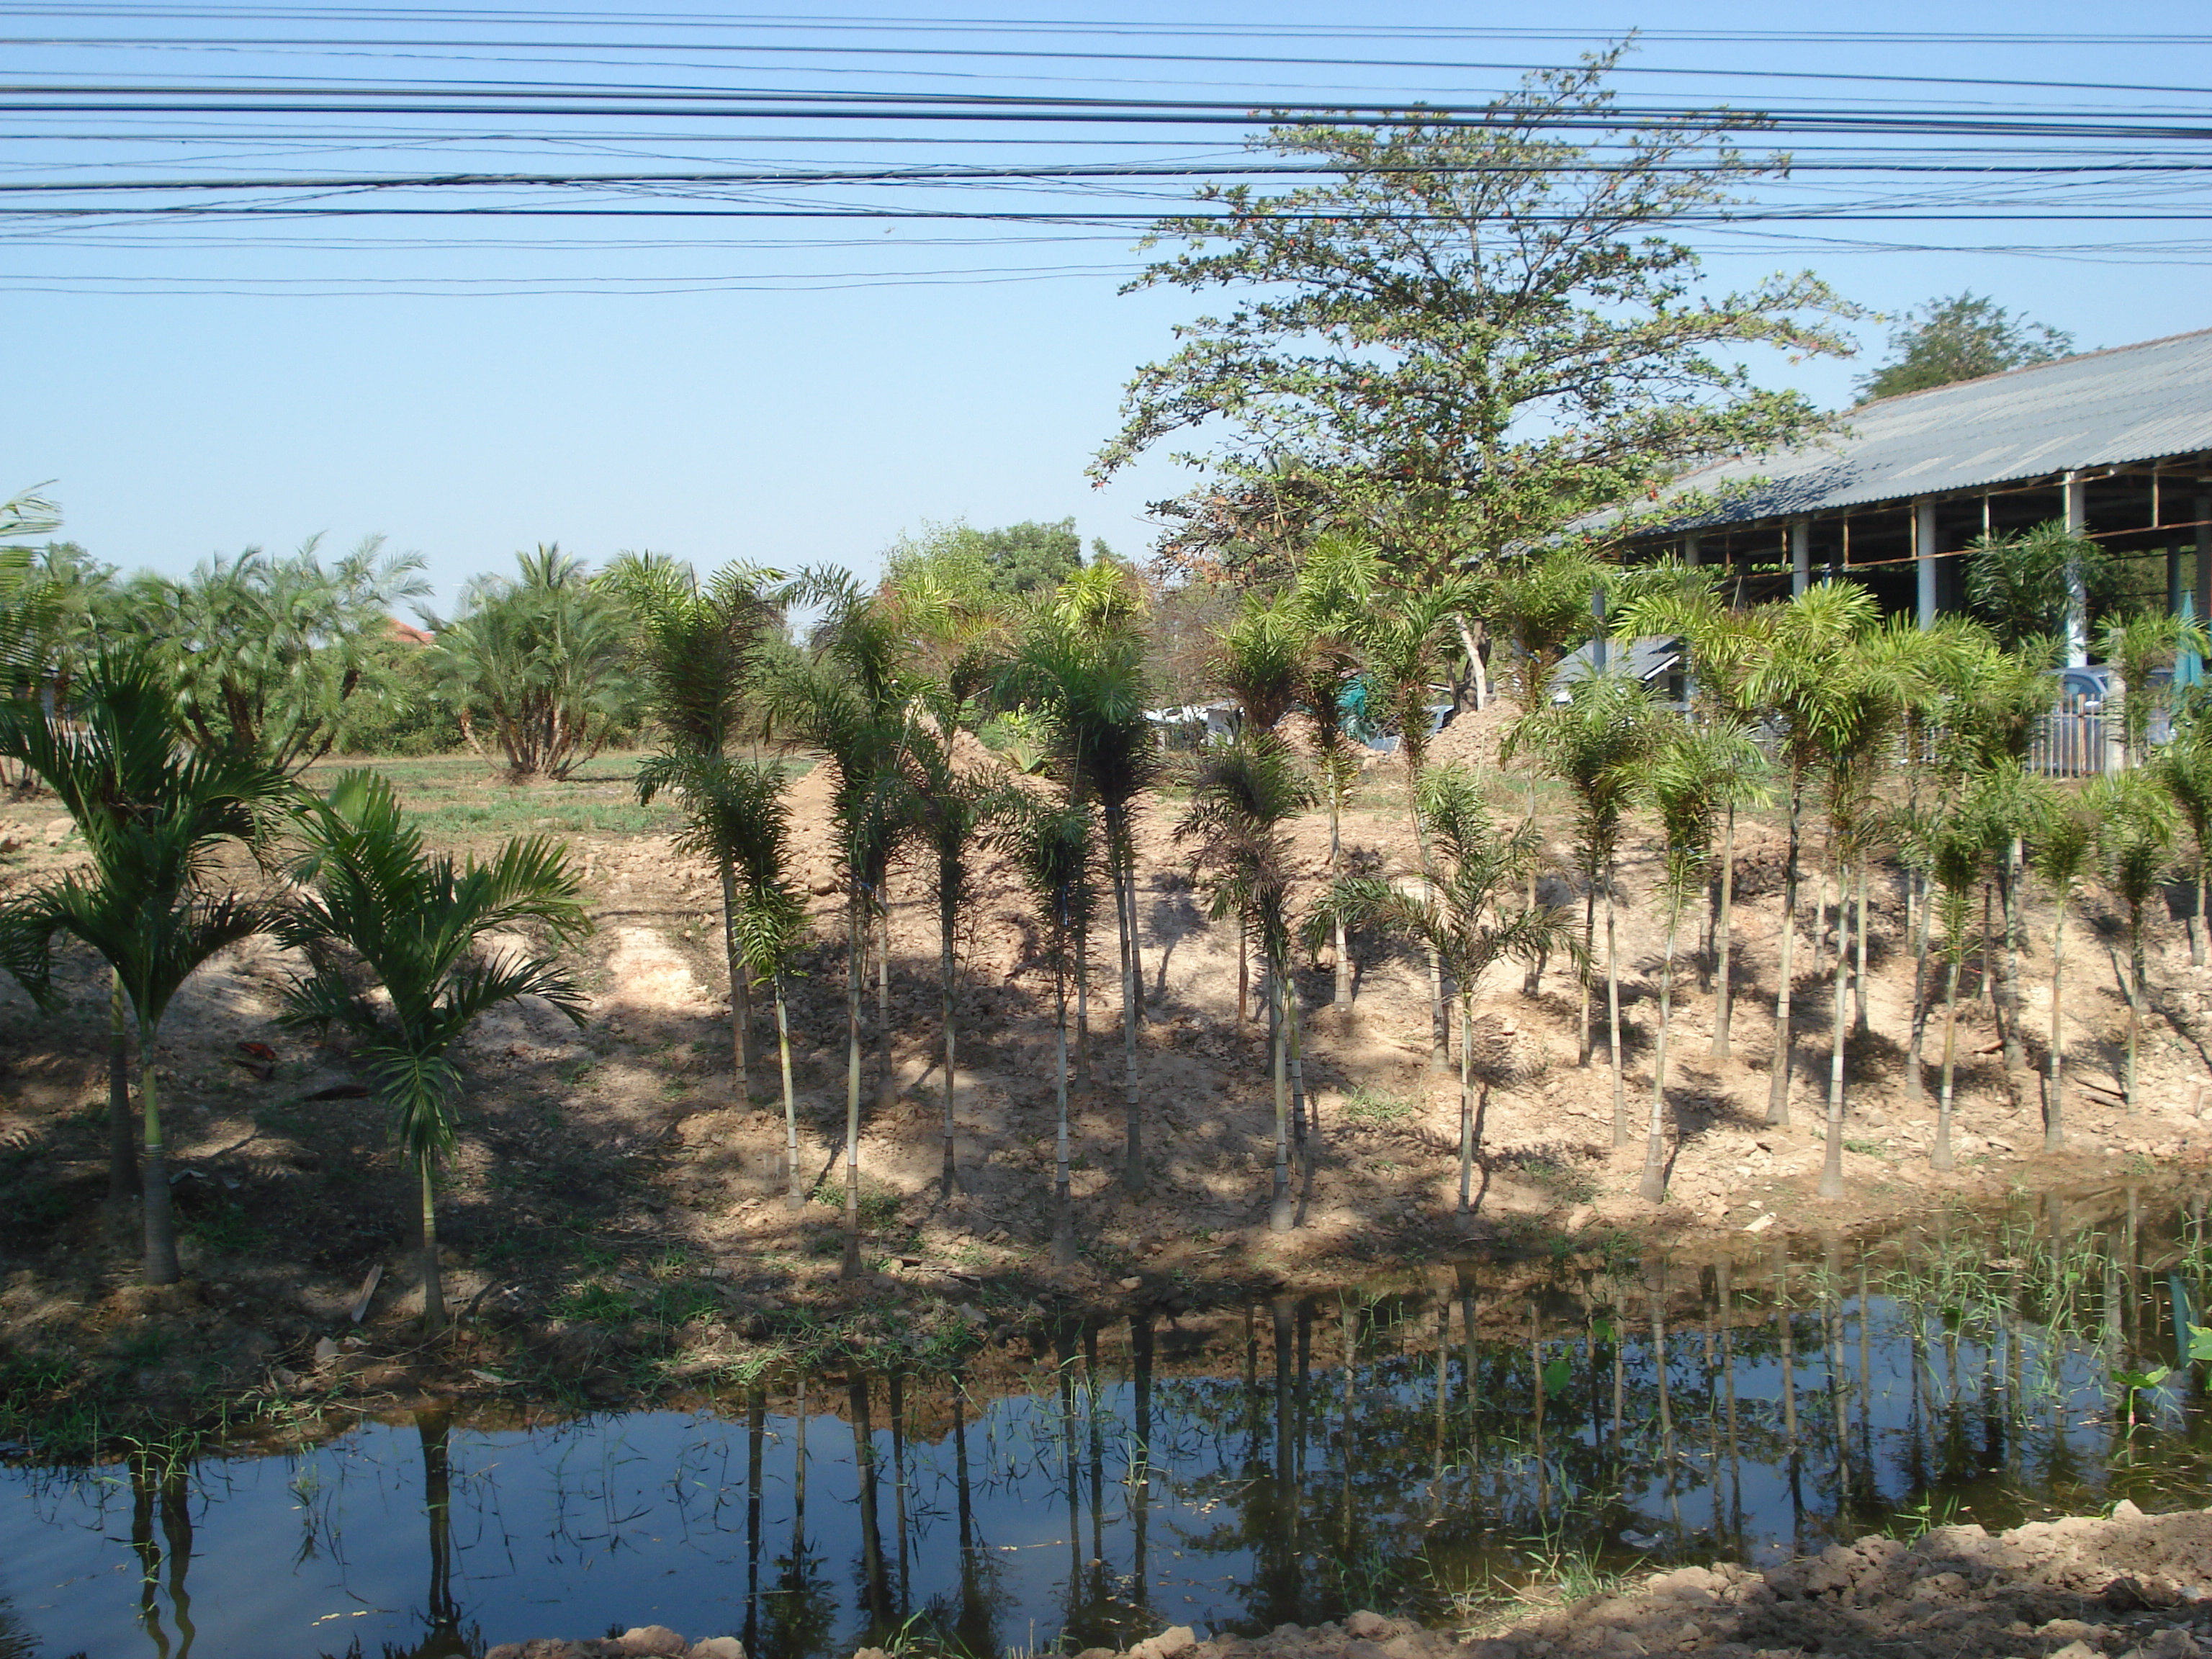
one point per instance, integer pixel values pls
(945, 920)
(1299, 1101)
(2138, 971)
(1859, 1024)
(1583, 1047)
(856, 946)
(123, 1183)
(2009, 891)
(1082, 1078)
(2054, 1110)
(1120, 855)
(1832, 1164)
(886, 1077)
(1777, 1087)
(159, 1215)
(434, 1283)
(794, 1194)
(741, 1008)
(1654, 1186)
(1620, 1134)
(1724, 1001)
(1338, 941)
(1916, 1086)
(1940, 1156)
(1063, 1191)
(1280, 1212)
(1465, 1103)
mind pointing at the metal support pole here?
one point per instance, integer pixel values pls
(1690, 551)
(2201, 536)
(1800, 555)
(1923, 560)
(2077, 597)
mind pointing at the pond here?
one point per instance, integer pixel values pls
(1403, 1444)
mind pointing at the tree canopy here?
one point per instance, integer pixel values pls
(1960, 338)
(1468, 333)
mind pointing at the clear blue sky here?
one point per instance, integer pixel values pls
(196, 387)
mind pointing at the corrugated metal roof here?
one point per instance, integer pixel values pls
(2103, 408)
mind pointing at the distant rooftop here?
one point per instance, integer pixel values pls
(2131, 404)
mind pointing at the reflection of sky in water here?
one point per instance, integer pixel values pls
(656, 1517)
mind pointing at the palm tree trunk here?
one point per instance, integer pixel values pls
(1439, 1034)
(1243, 968)
(2016, 1051)
(1939, 1157)
(1132, 1169)
(1083, 1079)
(161, 1219)
(2137, 969)
(1620, 1135)
(1653, 1189)
(1859, 1026)
(1777, 1086)
(433, 1284)
(1723, 1004)
(1299, 1101)
(740, 990)
(2054, 1116)
(793, 1197)
(1590, 949)
(1831, 1164)
(1915, 1087)
(856, 942)
(886, 1079)
(1063, 1193)
(1342, 993)
(1466, 1102)
(1439, 1021)
(1280, 1212)
(123, 1183)
(944, 969)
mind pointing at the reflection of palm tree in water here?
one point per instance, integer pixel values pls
(160, 1481)
(801, 1609)
(445, 1640)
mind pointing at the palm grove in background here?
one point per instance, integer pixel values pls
(1402, 433)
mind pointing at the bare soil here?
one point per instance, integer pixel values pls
(2132, 1587)
(614, 1218)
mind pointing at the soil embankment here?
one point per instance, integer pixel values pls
(2130, 1587)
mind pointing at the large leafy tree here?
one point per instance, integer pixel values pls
(543, 657)
(697, 644)
(268, 654)
(419, 925)
(1468, 333)
(1960, 338)
(155, 813)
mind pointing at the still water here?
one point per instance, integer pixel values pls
(1395, 1444)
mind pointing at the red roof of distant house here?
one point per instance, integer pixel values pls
(407, 633)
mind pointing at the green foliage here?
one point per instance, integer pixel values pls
(1371, 1108)
(404, 712)
(543, 659)
(266, 655)
(2022, 583)
(2137, 646)
(2135, 834)
(1959, 338)
(1467, 334)
(1539, 605)
(987, 565)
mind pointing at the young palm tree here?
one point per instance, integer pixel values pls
(1080, 661)
(2184, 767)
(1050, 843)
(1461, 914)
(2135, 847)
(1334, 587)
(1801, 684)
(847, 696)
(153, 814)
(1596, 742)
(1408, 636)
(1958, 853)
(2065, 843)
(1242, 797)
(417, 921)
(1724, 645)
(1692, 774)
(695, 646)
(769, 920)
(2137, 646)
(1261, 660)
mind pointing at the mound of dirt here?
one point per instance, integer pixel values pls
(2133, 1586)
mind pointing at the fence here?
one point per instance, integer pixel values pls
(2078, 740)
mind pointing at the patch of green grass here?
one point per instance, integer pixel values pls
(224, 1227)
(1866, 1148)
(600, 1304)
(1365, 1105)
(879, 1205)
(1564, 1184)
